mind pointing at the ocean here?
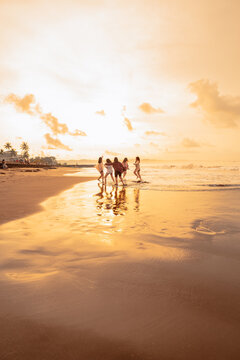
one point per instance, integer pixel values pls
(183, 176)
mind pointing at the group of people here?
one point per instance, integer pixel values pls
(119, 169)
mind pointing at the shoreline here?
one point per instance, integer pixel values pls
(22, 191)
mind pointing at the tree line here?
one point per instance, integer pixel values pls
(24, 149)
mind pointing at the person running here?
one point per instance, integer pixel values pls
(137, 168)
(99, 167)
(109, 167)
(118, 169)
(126, 167)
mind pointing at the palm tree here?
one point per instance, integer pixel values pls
(13, 152)
(25, 154)
(1, 151)
(8, 146)
(24, 146)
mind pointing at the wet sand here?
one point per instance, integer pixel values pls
(123, 274)
(22, 190)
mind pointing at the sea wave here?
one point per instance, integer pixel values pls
(171, 177)
(180, 187)
(222, 185)
(199, 167)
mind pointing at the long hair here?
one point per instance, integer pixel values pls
(125, 159)
(100, 160)
(137, 158)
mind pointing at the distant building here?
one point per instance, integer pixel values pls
(9, 156)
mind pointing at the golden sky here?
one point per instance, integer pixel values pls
(158, 79)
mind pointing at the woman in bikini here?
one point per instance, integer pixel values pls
(108, 166)
(137, 168)
(126, 167)
(99, 167)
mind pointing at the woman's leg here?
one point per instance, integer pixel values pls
(124, 174)
(102, 176)
(112, 177)
(139, 175)
(106, 177)
(121, 178)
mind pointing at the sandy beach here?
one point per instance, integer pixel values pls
(22, 190)
(120, 274)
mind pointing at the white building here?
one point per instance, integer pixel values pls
(9, 156)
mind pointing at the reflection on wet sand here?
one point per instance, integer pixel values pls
(128, 270)
(136, 198)
(113, 200)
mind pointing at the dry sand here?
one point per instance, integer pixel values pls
(22, 190)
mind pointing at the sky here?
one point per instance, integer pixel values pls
(157, 79)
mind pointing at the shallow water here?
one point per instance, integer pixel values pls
(184, 176)
(133, 264)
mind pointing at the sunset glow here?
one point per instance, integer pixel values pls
(119, 179)
(155, 78)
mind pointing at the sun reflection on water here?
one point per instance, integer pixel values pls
(111, 201)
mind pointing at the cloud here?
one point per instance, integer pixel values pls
(149, 133)
(126, 121)
(220, 110)
(189, 143)
(154, 145)
(124, 109)
(78, 133)
(28, 105)
(111, 153)
(100, 112)
(53, 124)
(149, 109)
(128, 124)
(59, 128)
(24, 104)
(55, 143)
